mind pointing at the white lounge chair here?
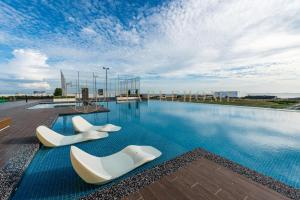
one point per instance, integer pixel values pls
(100, 170)
(50, 138)
(81, 125)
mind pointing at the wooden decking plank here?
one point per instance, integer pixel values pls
(176, 193)
(147, 194)
(195, 190)
(207, 180)
(253, 188)
(159, 191)
(212, 184)
(227, 182)
(223, 184)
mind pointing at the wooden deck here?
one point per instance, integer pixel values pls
(24, 122)
(204, 180)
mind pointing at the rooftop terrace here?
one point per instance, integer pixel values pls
(195, 175)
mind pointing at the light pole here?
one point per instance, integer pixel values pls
(96, 91)
(106, 68)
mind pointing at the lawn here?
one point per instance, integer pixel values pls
(278, 103)
(274, 103)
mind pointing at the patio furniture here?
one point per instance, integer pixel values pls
(82, 125)
(50, 138)
(100, 170)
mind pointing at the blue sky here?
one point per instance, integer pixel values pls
(198, 45)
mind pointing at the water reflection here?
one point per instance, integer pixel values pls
(246, 127)
(129, 111)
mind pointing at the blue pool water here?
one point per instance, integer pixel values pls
(265, 140)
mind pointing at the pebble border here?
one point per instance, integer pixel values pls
(11, 173)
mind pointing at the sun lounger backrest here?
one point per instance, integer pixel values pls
(80, 124)
(51, 136)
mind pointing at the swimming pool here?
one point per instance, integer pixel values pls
(264, 140)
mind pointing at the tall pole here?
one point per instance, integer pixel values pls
(93, 85)
(78, 89)
(106, 68)
(96, 92)
(106, 84)
(119, 86)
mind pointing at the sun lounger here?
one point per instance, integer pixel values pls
(100, 170)
(81, 125)
(50, 138)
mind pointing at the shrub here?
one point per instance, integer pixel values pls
(58, 92)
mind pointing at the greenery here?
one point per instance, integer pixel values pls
(57, 92)
(23, 97)
(277, 103)
(2, 100)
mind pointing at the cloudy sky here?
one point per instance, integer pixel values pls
(202, 45)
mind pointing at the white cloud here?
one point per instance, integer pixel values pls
(29, 64)
(10, 17)
(207, 38)
(36, 85)
(28, 69)
(89, 31)
(270, 41)
(2, 37)
(71, 19)
(243, 45)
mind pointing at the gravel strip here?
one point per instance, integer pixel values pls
(11, 174)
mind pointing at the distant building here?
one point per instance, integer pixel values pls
(19, 94)
(224, 94)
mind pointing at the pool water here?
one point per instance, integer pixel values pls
(264, 140)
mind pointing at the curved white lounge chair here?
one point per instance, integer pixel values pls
(50, 138)
(81, 125)
(100, 170)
